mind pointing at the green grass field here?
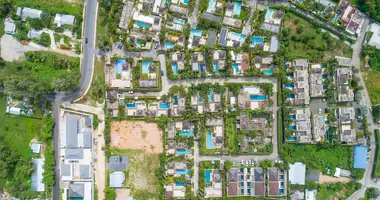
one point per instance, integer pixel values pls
(55, 6)
(307, 41)
(377, 159)
(18, 131)
(320, 157)
(231, 134)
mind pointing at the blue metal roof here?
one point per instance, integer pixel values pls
(360, 157)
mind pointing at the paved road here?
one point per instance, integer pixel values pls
(367, 180)
(87, 70)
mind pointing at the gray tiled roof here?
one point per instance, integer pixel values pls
(72, 131)
(84, 171)
(74, 153)
(87, 137)
(76, 190)
(65, 170)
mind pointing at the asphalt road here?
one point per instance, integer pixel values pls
(89, 32)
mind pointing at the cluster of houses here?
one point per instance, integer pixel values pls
(307, 83)
(60, 20)
(119, 74)
(76, 162)
(350, 17)
(178, 169)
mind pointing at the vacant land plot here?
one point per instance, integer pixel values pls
(303, 40)
(320, 157)
(18, 131)
(371, 79)
(54, 6)
(332, 179)
(141, 178)
(136, 135)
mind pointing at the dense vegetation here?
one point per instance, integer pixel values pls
(319, 157)
(301, 39)
(371, 77)
(370, 7)
(42, 72)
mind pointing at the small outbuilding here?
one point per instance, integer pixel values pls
(297, 172)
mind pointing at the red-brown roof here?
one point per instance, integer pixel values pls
(259, 189)
(273, 188)
(232, 189)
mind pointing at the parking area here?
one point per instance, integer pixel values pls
(317, 105)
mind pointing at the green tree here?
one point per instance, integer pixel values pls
(66, 81)
(5, 7)
(44, 40)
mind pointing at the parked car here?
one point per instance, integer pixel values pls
(162, 73)
(86, 40)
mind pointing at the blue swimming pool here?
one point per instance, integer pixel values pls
(237, 8)
(164, 105)
(175, 68)
(238, 36)
(183, 151)
(186, 2)
(291, 96)
(210, 95)
(145, 66)
(292, 138)
(258, 97)
(268, 71)
(281, 191)
(200, 99)
(292, 127)
(202, 68)
(142, 25)
(183, 171)
(289, 75)
(336, 17)
(236, 67)
(269, 13)
(211, 4)
(119, 65)
(325, 87)
(216, 69)
(179, 21)
(188, 133)
(289, 85)
(196, 33)
(257, 40)
(131, 105)
(169, 44)
(292, 116)
(138, 43)
(175, 100)
(179, 183)
(209, 144)
(208, 176)
(299, 1)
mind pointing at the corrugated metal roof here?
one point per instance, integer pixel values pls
(87, 138)
(74, 153)
(37, 176)
(84, 171)
(117, 179)
(65, 170)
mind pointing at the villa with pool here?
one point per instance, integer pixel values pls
(175, 23)
(213, 180)
(177, 189)
(136, 108)
(177, 61)
(197, 38)
(251, 97)
(119, 75)
(272, 20)
(149, 74)
(240, 62)
(246, 182)
(198, 62)
(215, 133)
(179, 128)
(231, 39)
(218, 60)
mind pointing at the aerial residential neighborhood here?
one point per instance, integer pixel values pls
(189, 99)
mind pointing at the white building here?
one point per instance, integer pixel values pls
(375, 38)
(9, 26)
(29, 13)
(61, 19)
(297, 172)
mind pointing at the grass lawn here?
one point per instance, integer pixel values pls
(141, 177)
(18, 131)
(320, 157)
(101, 28)
(231, 135)
(377, 154)
(70, 6)
(337, 190)
(303, 40)
(372, 82)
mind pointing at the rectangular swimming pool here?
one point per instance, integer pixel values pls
(175, 68)
(237, 8)
(289, 85)
(238, 36)
(208, 176)
(142, 25)
(268, 14)
(131, 105)
(164, 105)
(291, 96)
(209, 144)
(186, 133)
(183, 171)
(145, 66)
(256, 40)
(292, 127)
(268, 71)
(175, 100)
(258, 97)
(179, 183)
(236, 67)
(216, 69)
(119, 65)
(210, 95)
(211, 4)
(196, 33)
(292, 138)
(183, 151)
(169, 44)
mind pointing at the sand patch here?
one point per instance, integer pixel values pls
(123, 194)
(136, 135)
(323, 179)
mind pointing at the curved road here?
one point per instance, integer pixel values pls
(89, 32)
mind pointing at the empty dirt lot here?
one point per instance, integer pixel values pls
(136, 135)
